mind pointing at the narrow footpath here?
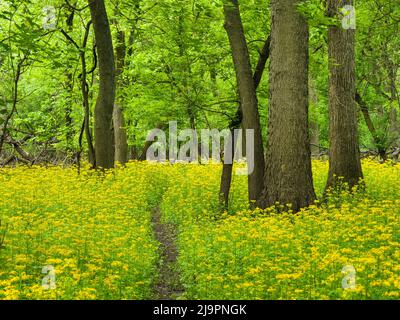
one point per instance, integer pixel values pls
(168, 285)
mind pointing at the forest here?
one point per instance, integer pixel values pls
(199, 150)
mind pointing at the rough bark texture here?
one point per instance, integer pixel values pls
(247, 92)
(288, 177)
(103, 113)
(344, 154)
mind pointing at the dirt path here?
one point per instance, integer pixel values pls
(167, 286)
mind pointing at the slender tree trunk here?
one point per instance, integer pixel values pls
(370, 125)
(314, 139)
(288, 177)
(70, 89)
(344, 154)
(85, 97)
(247, 93)
(85, 128)
(8, 117)
(393, 130)
(226, 175)
(68, 110)
(314, 128)
(121, 141)
(103, 113)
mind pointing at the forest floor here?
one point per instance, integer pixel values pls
(156, 231)
(167, 286)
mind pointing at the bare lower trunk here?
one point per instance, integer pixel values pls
(121, 145)
(288, 177)
(379, 144)
(247, 93)
(120, 136)
(344, 154)
(226, 175)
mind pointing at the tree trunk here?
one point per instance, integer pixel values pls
(85, 128)
(314, 127)
(288, 177)
(85, 99)
(226, 175)
(70, 89)
(103, 112)
(121, 141)
(394, 131)
(68, 110)
(344, 153)
(247, 93)
(370, 125)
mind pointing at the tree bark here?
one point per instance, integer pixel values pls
(344, 154)
(288, 176)
(103, 113)
(120, 136)
(247, 93)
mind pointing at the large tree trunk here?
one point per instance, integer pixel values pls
(288, 177)
(247, 93)
(344, 154)
(226, 175)
(103, 113)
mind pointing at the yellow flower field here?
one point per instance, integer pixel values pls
(95, 231)
(262, 255)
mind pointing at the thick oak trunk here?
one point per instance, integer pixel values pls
(288, 177)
